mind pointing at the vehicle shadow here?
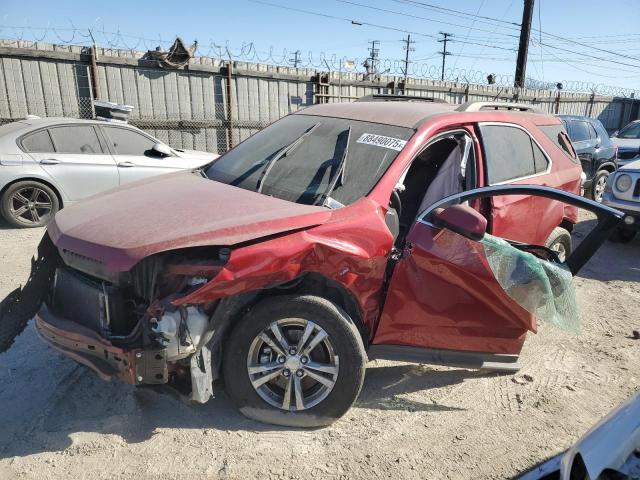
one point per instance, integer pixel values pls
(613, 261)
(79, 403)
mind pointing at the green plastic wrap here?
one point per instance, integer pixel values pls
(543, 288)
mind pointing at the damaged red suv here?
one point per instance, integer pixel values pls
(339, 233)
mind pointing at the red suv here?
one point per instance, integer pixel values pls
(341, 232)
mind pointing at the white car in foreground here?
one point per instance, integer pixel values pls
(48, 163)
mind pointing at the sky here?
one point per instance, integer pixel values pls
(584, 42)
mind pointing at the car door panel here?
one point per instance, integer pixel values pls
(134, 155)
(80, 173)
(443, 294)
(479, 317)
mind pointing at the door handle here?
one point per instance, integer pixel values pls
(126, 164)
(49, 161)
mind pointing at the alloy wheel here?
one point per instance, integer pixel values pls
(598, 189)
(292, 364)
(30, 205)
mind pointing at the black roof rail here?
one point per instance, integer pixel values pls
(480, 106)
(384, 97)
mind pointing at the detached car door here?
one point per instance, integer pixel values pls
(451, 291)
(134, 155)
(78, 162)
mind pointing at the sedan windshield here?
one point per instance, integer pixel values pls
(307, 159)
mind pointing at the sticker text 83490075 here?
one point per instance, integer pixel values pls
(382, 141)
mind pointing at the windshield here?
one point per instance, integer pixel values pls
(300, 158)
(631, 131)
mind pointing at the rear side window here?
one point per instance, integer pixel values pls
(557, 135)
(38, 142)
(81, 139)
(578, 131)
(592, 132)
(602, 132)
(129, 142)
(510, 153)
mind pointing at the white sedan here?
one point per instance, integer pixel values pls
(48, 163)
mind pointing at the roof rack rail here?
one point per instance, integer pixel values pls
(479, 106)
(385, 97)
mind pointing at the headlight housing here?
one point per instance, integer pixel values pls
(623, 182)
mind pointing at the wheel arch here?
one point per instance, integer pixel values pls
(230, 309)
(55, 189)
(608, 166)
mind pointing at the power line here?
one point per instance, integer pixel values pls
(468, 32)
(458, 13)
(444, 53)
(394, 12)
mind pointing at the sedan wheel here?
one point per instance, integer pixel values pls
(294, 360)
(29, 204)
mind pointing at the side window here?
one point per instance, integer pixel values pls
(129, 142)
(592, 132)
(578, 131)
(539, 159)
(557, 135)
(508, 153)
(76, 139)
(38, 142)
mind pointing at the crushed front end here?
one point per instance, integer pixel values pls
(125, 325)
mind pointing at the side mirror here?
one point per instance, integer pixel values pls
(162, 149)
(461, 219)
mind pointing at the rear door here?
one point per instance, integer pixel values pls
(78, 162)
(134, 155)
(512, 156)
(445, 295)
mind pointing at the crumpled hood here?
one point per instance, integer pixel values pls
(120, 227)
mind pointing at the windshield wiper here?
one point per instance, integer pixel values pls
(338, 177)
(285, 150)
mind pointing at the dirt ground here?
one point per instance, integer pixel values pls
(57, 420)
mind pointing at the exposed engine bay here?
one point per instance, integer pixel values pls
(126, 325)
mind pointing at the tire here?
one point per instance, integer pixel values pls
(39, 202)
(294, 314)
(622, 235)
(560, 242)
(598, 184)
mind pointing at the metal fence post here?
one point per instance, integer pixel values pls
(229, 106)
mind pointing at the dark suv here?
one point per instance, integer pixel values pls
(596, 152)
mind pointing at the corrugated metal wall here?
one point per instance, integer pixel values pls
(190, 109)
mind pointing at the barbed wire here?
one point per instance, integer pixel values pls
(247, 52)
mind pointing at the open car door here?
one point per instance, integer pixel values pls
(461, 297)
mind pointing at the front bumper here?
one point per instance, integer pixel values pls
(631, 211)
(133, 366)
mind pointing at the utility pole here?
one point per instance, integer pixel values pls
(407, 46)
(371, 63)
(296, 58)
(523, 48)
(444, 53)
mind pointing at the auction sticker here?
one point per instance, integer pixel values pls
(382, 141)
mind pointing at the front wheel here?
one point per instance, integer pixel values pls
(622, 235)
(29, 204)
(294, 361)
(598, 185)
